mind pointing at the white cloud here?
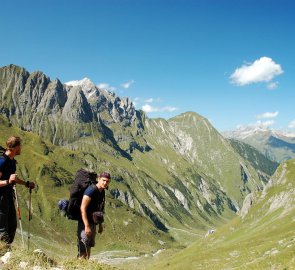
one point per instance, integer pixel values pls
(291, 124)
(126, 85)
(106, 86)
(267, 115)
(261, 70)
(150, 100)
(272, 85)
(148, 108)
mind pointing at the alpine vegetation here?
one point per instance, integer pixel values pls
(171, 179)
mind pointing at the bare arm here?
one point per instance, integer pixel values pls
(85, 202)
(28, 184)
(13, 179)
(6, 182)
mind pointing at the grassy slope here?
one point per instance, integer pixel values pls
(46, 165)
(256, 158)
(126, 230)
(223, 163)
(265, 239)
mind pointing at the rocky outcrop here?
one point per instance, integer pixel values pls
(181, 198)
(77, 107)
(246, 205)
(124, 197)
(155, 200)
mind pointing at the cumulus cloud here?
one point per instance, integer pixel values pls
(148, 108)
(106, 86)
(272, 85)
(126, 85)
(262, 70)
(267, 115)
(291, 124)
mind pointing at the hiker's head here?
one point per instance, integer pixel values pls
(13, 144)
(104, 180)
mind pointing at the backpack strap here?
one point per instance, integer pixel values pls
(101, 207)
(4, 157)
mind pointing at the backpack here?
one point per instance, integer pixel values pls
(83, 180)
(2, 156)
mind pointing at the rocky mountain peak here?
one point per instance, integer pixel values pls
(244, 132)
(33, 102)
(87, 86)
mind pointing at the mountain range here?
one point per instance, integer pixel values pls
(276, 145)
(168, 176)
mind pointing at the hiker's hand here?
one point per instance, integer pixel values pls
(30, 185)
(12, 179)
(100, 228)
(87, 230)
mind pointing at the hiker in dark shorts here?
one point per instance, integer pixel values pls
(8, 178)
(92, 208)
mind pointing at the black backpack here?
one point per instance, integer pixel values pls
(2, 150)
(83, 180)
(2, 156)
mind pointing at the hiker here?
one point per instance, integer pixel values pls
(8, 178)
(92, 208)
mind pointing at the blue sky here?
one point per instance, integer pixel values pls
(232, 61)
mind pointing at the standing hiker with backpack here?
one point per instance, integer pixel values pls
(8, 179)
(92, 208)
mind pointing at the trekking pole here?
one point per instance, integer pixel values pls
(19, 216)
(30, 216)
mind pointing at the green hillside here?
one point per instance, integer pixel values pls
(53, 169)
(259, 161)
(172, 180)
(263, 239)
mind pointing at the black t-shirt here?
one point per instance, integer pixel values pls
(7, 167)
(97, 199)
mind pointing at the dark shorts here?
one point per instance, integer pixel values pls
(8, 221)
(85, 242)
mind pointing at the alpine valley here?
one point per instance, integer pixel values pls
(172, 180)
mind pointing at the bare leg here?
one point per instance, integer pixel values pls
(85, 255)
